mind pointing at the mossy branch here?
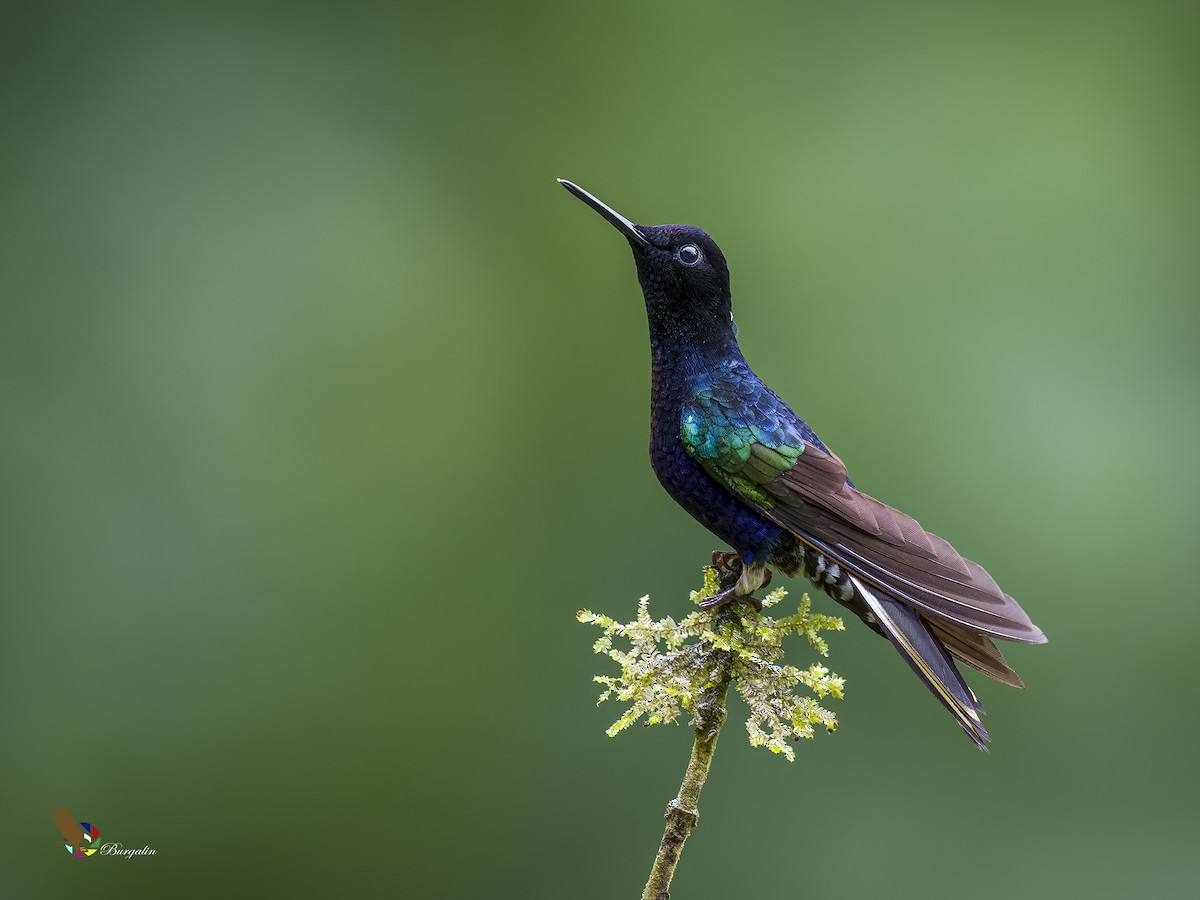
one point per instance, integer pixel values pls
(702, 655)
(683, 813)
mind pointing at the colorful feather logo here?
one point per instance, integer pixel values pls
(78, 836)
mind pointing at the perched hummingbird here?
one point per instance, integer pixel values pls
(753, 473)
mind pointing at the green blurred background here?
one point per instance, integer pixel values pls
(325, 408)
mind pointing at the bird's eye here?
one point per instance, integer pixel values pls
(689, 254)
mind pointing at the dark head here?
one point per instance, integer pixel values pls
(683, 276)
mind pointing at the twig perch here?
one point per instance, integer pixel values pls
(704, 654)
(683, 813)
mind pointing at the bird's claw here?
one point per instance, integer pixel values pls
(732, 574)
(727, 596)
(728, 565)
(716, 601)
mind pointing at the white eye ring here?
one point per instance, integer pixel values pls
(689, 254)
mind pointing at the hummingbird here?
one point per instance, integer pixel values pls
(750, 470)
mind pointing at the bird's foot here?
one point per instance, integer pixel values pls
(716, 601)
(728, 565)
(749, 579)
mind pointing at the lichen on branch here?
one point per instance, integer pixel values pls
(669, 665)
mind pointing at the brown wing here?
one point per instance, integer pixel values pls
(891, 551)
(71, 831)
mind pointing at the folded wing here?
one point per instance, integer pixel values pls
(747, 439)
(890, 550)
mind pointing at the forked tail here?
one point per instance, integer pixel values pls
(925, 654)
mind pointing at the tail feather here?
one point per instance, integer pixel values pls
(975, 650)
(924, 653)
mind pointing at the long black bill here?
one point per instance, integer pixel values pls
(614, 218)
